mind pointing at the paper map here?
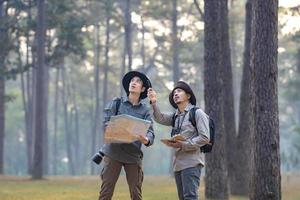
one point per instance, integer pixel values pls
(173, 139)
(125, 128)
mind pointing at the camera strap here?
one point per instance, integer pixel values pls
(179, 125)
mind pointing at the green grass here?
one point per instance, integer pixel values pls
(87, 188)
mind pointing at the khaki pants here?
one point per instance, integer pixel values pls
(110, 174)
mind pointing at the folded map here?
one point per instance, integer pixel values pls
(125, 128)
(173, 139)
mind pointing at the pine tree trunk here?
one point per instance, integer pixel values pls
(245, 132)
(95, 132)
(2, 122)
(45, 146)
(3, 53)
(56, 97)
(106, 55)
(176, 72)
(40, 111)
(106, 66)
(128, 33)
(216, 185)
(29, 104)
(76, 144)
(266, 181)
(228, 96)
(32, 80)
(67, 122)
(143, 55)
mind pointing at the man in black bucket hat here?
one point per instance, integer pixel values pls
(127, 155)
(188, 159)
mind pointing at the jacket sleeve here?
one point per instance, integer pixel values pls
(109, 111)
(150, 133)
(202, 122)
(161, 118)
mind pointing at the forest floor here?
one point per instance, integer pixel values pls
(87, 187)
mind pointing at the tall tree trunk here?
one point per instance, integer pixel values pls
(298, 74)
(2, 122)
(216, 186)
(56, 97)
(67, 121)
(45, 146)
(76, 144)
(32, 90)
(3, 54)
(127, 50)
(266, 181)
(106, 54)
(30, 82)
(128, 33)
(143, 55)
(176, 72)
(95, 132)
(40, 111)
(228, 97)
(245, 131)
(29, 93)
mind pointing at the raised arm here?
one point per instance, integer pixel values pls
(158, 116)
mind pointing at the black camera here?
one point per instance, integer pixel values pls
(175, 131)
(97, 158)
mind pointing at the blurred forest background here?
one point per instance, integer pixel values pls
(89, 46)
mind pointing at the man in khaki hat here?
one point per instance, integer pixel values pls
(188, 159)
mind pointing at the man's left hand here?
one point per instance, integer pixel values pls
(143, 139)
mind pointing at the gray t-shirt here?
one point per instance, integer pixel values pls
(127, 152)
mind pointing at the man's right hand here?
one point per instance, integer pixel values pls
(151, 95)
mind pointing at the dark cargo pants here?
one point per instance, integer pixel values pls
(110, 174)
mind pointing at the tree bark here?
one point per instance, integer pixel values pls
(2, 122)
(228, 96)
(40, 111)
(245, 131)
(106, 55)
(77, 147)
(176, 71)
(45, 137)
(97, 96)
(67, 122)
(216, 186)
(127, 50)
(143, 55)
(3, 54)
(56, 97)
(128, 33)
(266, 181)
(30, 79)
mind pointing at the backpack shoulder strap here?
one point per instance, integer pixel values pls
(118, 103)
(173, 119)
(192, 117)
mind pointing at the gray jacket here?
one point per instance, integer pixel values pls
(189, 155)
(127, 152)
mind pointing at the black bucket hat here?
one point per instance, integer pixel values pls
(182, 85)
(146, 82)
